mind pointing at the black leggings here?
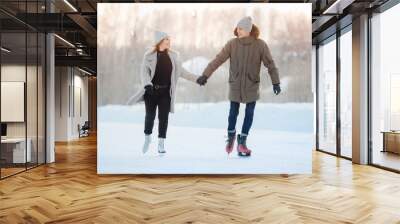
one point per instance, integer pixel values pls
(161, 99)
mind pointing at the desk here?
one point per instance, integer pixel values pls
(17, 150)
(391, 141)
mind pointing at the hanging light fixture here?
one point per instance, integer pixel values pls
(70, 5)
(5, 50)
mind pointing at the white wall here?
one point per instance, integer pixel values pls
(80, 83)
(61, 103)
(69, 82)
(12, 73)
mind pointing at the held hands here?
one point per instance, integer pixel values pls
(277, 89)
(149, 90)
(202, 80)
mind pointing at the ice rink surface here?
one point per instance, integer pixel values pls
(281, 140)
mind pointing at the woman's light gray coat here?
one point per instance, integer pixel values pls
(147, 71)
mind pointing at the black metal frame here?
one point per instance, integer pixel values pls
(45, 90)
(338, 98)
(0, 90)
(37, 164)
(317, 97)
(369, 90)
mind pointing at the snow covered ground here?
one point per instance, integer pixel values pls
(281, 140)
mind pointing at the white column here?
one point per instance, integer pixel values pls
(360, 90)
(50, 91)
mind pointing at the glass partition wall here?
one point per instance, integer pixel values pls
(345, 61)
(327, 95)
(22, 78)
(385, 90)
(13, 85)
(334, 93)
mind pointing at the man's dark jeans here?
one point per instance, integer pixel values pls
(248, 117)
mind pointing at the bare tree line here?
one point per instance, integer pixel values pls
(201, 33)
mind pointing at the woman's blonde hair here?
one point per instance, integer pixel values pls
(255, 32)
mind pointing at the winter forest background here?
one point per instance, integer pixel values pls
(198, 32)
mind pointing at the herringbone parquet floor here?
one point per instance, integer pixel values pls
(70, 191)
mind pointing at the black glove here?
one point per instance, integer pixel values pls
(202, 80)
(149, 90)
(277, 89)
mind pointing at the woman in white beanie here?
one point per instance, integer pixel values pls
(160, 70)
(246, 53)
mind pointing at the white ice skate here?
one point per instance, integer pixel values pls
(161, 148)
(146, 145)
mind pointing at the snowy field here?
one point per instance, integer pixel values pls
(281, 140)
